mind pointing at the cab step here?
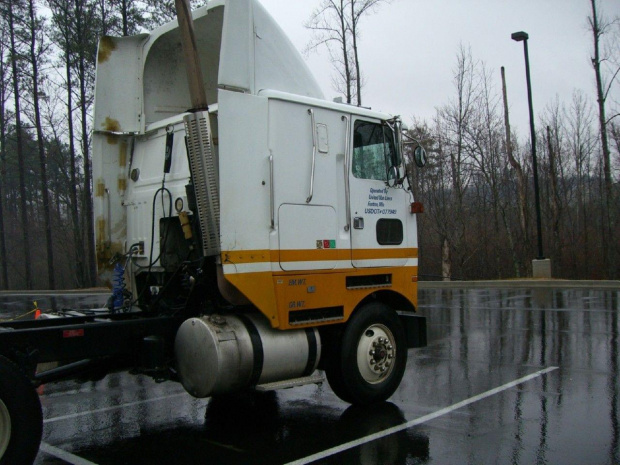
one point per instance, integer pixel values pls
(316, 378)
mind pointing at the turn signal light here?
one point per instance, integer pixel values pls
(417, 207)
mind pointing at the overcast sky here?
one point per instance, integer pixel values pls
(408, 50)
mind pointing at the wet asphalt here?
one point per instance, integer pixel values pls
(510, 376)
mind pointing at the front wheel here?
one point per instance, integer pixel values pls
(366, 364)
(21, 422)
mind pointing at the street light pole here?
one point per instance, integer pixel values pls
(522, 37)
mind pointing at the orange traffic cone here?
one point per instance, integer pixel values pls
(37, 311)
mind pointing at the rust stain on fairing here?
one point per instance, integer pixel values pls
(101, 239)
(106, 47)
(111, 125)
(105, 253)
(100, 188)
(106, 250)
(122, 153)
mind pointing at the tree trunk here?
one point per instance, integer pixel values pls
(515, 258)
(446, 260)
(64, 14)
(80, 268)
(358, 76)
(88, 200)
(555, 207)
(521, 184)
(124, 14)
(3, 257)
(608, 245)
(345, 51)
(603, 230)
(41, 148)
(20, 154)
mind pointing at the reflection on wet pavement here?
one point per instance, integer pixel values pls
(478, 340)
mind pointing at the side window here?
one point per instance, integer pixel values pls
(373, 150)
(389, 231)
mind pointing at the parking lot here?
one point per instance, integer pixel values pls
(510, 375)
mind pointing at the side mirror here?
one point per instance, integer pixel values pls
(392, 178)
(419, 156)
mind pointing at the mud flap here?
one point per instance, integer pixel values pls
(415, 329)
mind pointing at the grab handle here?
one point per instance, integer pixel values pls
(311, 113)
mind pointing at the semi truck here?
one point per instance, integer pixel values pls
(254, 234)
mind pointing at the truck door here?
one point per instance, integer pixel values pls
(378, 229)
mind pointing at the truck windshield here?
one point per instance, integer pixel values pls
(373, 150)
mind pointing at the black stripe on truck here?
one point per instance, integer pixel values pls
(257, 349)
(312, 352)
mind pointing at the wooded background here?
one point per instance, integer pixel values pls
(477, 188)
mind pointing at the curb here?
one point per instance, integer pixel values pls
(521, 284)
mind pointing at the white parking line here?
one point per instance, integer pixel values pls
(74, 459)
(64, 455)
(418, 421)
(107, 409)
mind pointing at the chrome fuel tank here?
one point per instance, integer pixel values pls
(217, 354)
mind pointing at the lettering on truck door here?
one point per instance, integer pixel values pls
(378, 229)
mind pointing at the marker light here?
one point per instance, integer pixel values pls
(417, 207)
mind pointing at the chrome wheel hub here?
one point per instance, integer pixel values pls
(5, 428)
(376, 353)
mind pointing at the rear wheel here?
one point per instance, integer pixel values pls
(21, 422)
(367, 363)
(5, 428)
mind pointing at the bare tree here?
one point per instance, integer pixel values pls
(127, 17)
(63, 21)
(452, 122)
(599, 26)
(615, 132)
(85, 40)
(4, 95)
(10, 14)
(359, 8)
(159, 12)
(336, 25)
(329, 25)
(581, 147)
(484, 140)
(36, 50)
(515, 164)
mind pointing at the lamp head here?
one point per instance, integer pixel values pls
(519, 36)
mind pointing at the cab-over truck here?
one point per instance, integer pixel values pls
(251, 231)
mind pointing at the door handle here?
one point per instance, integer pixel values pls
(311, 113)
(347, 192)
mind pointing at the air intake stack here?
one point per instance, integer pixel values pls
(202, 160)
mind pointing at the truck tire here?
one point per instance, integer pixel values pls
(366, 364)
(21, 420)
